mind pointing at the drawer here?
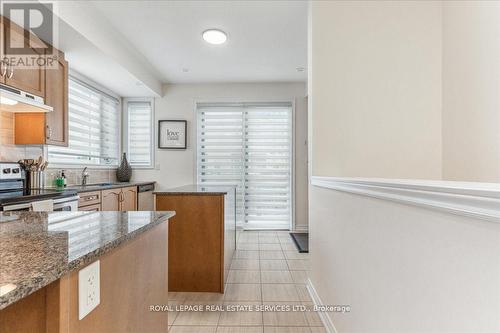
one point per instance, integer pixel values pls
(89, 198)
(90, 208)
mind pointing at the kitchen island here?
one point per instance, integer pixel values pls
(41, 255)
(202, 237)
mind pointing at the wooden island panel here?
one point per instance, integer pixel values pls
(196, 242)
(199, 251)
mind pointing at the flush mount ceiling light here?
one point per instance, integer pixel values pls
(214, 36)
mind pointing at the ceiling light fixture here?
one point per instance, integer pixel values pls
(214, 36)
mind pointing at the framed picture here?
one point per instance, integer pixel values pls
(172, 134)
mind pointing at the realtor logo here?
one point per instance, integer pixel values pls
(29, 33)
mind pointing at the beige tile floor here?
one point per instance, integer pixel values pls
(266, 270)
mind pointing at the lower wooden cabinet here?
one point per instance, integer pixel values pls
(120, 199)
(90, 201)
(129, 198)
(91, 208)
(111, 200)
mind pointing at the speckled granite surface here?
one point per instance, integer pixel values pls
(96, 187)
(38, 248)
(197, 189)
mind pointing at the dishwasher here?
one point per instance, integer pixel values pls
(145, 197)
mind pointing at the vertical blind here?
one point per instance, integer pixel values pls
(140, 133)
(94, 122)
(250, 146)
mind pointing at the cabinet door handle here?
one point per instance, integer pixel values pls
(11, 73)
(48, 132)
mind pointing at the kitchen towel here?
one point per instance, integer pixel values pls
(43, 206)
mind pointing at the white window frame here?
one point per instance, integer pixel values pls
(92, 84)
(292, 148)
(151, 100)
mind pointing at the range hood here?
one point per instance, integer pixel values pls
(18, 101)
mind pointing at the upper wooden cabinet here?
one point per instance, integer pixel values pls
(49, 82)
(56, 95)
(18, 75)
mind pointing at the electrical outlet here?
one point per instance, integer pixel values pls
(89, 294)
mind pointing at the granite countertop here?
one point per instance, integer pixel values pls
(197, 189)
(38, 248)
(103, 186)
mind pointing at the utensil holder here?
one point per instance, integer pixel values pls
(37, 179)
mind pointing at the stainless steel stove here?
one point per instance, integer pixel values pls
(14, 195)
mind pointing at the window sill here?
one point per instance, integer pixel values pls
(74, 166)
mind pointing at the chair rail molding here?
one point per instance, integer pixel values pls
(476, 200)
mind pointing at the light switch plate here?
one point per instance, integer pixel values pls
(89, 294)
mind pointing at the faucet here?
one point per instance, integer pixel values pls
(85, 176)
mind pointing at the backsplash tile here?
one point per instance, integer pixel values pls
(13, 153)
(74, 176)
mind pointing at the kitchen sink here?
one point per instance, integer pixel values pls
(97, 185)
(100, 184)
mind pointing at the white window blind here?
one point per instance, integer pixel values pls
(140, 133)
(94, 121)
(250, 146)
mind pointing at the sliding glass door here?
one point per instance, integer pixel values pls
(249, 146)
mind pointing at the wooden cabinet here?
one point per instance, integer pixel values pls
(52, 127)
(48, 81)
(91, 208)
(111, 200)
(27, 78)
(56, 95)
(129, 198)
(121, 199)
(90, 201)
(201, 241)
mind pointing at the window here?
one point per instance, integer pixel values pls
(94, 128)
(139, 132)
(250, 146)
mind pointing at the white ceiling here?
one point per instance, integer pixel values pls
(267, 39)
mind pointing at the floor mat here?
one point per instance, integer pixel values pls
(301, 240)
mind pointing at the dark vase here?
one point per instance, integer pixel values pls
(124, 171)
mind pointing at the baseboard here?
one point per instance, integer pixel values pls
(325, 318)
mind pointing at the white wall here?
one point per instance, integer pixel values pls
(176, 168)
(401, 268)
(471, 90)
(376, 81)
(404, 89)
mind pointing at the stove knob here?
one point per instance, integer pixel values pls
(6, 171)
(15, 171)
